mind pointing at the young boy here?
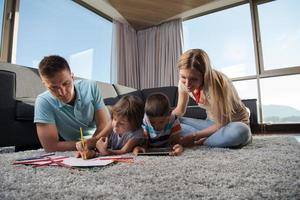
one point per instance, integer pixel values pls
(124, 132)
(161, 127)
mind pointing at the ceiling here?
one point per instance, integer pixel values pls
(141, 14)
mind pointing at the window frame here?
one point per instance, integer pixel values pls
(287, 70)
(7, 30)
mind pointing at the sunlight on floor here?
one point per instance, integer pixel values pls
(297, 138)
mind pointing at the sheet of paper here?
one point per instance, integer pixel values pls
(79, 162)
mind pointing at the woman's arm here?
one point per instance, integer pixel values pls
(183, 98)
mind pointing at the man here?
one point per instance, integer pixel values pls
(67, 106)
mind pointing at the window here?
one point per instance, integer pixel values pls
(279, 48)
(64, 28)
(280, 33)
(280, 99)
(247, 90)
(227, 38)
(1, 22)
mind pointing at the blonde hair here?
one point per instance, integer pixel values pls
(220, 95)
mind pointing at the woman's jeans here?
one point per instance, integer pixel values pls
(234, 134)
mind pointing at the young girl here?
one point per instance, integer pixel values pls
(124, 132)
(228, 120)
(161, 127)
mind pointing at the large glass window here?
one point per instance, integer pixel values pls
(280, 33)
(281, 99)
(227, 37)
(65, 28)
(1, 22)
(246, 89)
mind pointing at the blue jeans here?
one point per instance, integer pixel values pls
(234, 134)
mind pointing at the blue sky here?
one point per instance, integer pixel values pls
(67, 29)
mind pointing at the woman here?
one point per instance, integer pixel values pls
(228, 120)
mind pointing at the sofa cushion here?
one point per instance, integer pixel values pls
(107, 90)
(24, 109)
(28, 82)
(137, 93)
(7, 89)
(170, 92)
(252, 105)
(121, 89)
(195, 112)
(111, 101)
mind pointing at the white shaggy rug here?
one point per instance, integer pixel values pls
(269, 168)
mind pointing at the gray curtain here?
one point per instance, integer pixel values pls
(124, 56)
(147, 58)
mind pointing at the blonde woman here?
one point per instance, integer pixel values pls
(227, 124)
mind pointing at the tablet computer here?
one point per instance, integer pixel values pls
(156, 152)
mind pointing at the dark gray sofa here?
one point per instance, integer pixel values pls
(20, 85)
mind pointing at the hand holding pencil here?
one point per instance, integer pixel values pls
(82, 148)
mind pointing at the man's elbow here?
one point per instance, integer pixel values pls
(49, 149)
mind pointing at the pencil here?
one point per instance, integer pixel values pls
(81, 138)
(83, 143)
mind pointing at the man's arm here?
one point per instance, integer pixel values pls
(102, 120)
(48, 136)
(104, 128)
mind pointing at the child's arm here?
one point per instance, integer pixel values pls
(175, 139)
(128, 147)
(177, 150)
(91, 143)
(139, 149)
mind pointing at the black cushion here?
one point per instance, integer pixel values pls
(24, 111)
(195, 112)
(170, 92)
(136, 93)
(251, 104)
(111, 101)
(7, 88)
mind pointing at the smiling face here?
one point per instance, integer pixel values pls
(121, 125)
(191, 78)
(61, 86)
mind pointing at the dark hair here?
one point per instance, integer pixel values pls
(51, 65)
(157, 105)
(131, 107)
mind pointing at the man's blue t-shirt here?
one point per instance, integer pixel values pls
(68, 119)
